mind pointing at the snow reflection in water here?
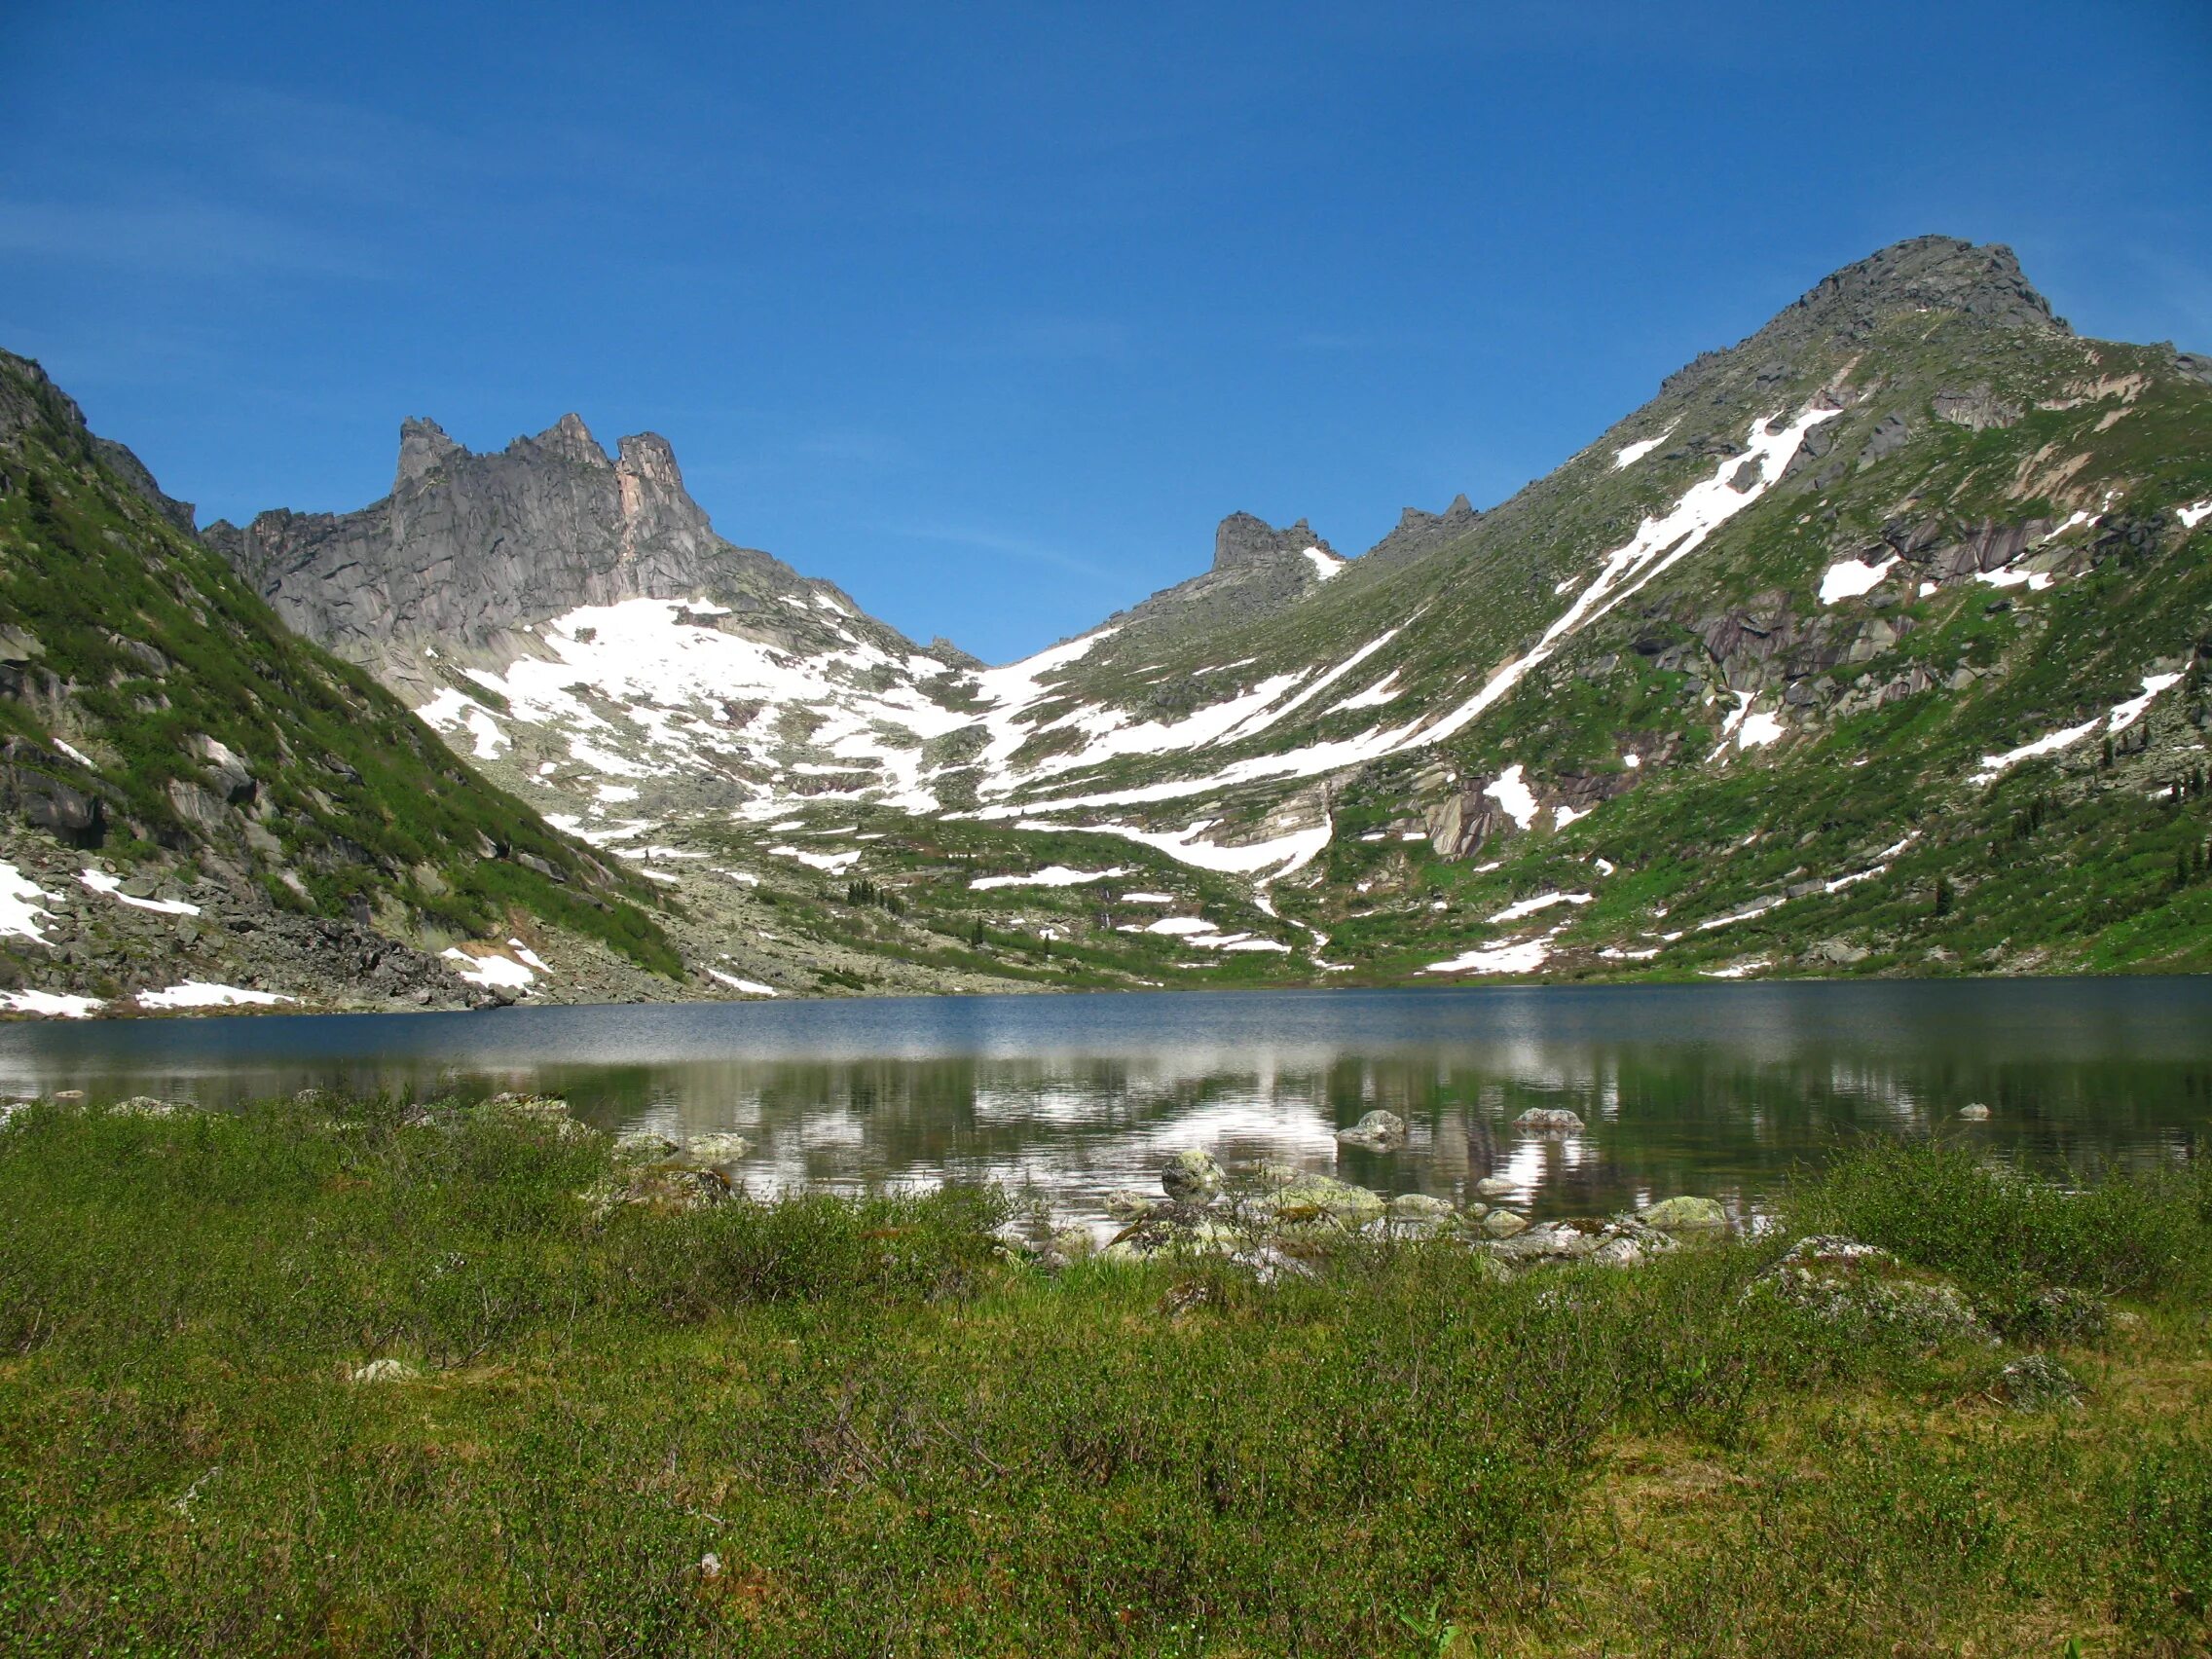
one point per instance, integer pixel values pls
(1716, 1089)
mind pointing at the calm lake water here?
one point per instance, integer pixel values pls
(1718, 1089)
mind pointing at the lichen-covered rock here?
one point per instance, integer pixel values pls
(147, 1106)
(1069, 1245)
(1192, 1176)
(1377, 1131)
(545, 1111)
(1321, 1199)
(2036, 1382)
(384, 1370)
(1550, 1121)
(1551, 1241)
(670, 1189)
(1504, 1224)
(636, 1144)
(1863, 1286)
(1684, 1214)
(1419, 1206)
(716, 1149)
(2058, 1313)
(1495, 1186)
(1133, 1204)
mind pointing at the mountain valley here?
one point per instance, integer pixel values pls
(1880, 643)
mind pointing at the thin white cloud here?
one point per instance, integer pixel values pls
(184, 237)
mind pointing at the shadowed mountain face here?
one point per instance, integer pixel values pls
(1902, 599)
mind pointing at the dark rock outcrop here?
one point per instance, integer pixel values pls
(1256, 568)
(468, 547)
(1418, 534)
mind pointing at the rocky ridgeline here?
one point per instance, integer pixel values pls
(468, 546)
(1256, 569)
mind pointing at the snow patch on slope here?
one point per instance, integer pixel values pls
(22, 906)
(2119, 717)
(1630, 454)
(1849, 578)
(1051, 875)
(200, 993)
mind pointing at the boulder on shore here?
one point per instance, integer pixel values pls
(1863, 1286)
(384, 1370)
(1419, 1206)
(1319, 1198)
(717, 1148)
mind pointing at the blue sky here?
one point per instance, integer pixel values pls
(989, 313)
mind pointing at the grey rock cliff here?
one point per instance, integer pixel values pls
(468, 547)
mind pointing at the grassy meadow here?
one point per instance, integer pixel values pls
(825, 1426)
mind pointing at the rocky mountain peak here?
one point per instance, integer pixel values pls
(567, 439)
(503, 538)
(1418, 532)
(1924, 274)
(1242, 541)
(650, 459)
(424, 447)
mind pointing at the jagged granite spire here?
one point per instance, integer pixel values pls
(468, 545)
(1241, 542)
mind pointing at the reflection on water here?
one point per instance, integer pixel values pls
(1715, 1090)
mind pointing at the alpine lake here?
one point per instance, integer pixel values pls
(1719, 1090)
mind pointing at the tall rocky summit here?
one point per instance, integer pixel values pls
(467, 547)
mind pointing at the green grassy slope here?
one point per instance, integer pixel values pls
(2080, 452)
(137, 647)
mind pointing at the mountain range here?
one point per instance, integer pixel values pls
(1879, 643)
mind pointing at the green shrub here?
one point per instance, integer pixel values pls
(2005, 1235)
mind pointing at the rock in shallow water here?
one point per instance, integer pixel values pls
(1495, 1186)
(1419, 1206)
(717, 1148)
(644, 1143)
(1190, 1177)
(1684, 1214)
(1975, 1114)
(1133, 1204)
(1549, 1119)
(1319, 1197)
(1377, 1131)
